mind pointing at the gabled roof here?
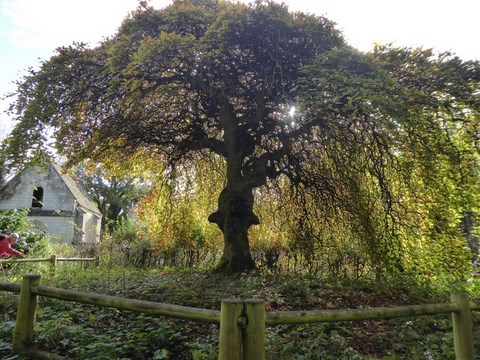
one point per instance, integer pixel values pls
(78, 191)
(76, 188)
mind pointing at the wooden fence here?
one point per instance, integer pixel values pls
(242, 322)
(53, 260)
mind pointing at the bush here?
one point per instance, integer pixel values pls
(17, 221)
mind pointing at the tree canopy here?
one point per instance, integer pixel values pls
(280, 99)
(115, 197)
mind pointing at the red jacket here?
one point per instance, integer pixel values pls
(6, 249)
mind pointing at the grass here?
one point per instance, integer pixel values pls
(87, 332)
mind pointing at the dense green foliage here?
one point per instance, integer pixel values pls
(115, 197)
(17, 221)
(83, 331)
(356, 162)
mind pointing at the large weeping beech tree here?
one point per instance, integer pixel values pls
(277, 95)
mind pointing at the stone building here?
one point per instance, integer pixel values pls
(57, 203)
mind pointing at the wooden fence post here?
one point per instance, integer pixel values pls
(53, 263)
(22, 341)
(230, 346)
(254, 341)
(462, 328)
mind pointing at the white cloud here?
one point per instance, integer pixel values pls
(439, 24)
(32, 29)
(47, 24)
(36, 27)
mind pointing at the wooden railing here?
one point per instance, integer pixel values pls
(53, 260)
(242, 322)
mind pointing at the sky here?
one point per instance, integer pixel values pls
(30, 30)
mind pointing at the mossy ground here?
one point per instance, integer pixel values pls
(88, 332)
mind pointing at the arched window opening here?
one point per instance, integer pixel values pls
(37, 199)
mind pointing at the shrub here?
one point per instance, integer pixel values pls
(17, 221)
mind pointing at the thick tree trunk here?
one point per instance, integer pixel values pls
(234, 217)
